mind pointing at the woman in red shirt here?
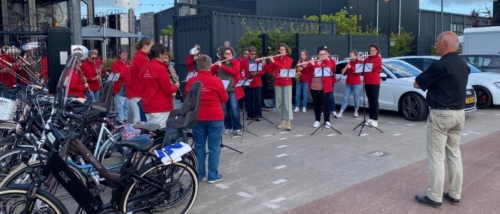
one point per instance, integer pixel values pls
(133, 81)
(93, 74)
(321, 87)
(76, 86)
(157, 90)
(352, 83)
(302, 87)
(208, 128)
(121, 102)
(254, 90)
(372, 83)
(282, 85)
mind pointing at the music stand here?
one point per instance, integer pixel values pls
(222, 146)
(320, 73)
(255, 68)
(362, 68)
(244, 128)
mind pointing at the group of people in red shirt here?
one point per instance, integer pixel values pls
(11, 71)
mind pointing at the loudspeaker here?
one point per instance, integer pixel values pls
(59, 43)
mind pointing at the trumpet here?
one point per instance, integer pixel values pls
(266, 57)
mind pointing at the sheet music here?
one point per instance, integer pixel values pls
(115, 78)
(287, 73)
(226, 83)
(254, 67)
(367, 67)
(111, 77)
(191, 75)
(322, 72)
(247, 82)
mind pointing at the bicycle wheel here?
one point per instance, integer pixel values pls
(14, 200)
(179, 178)
(11, 160)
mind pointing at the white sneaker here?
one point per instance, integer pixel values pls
(368, 122)
(238, 132)
(335, 114)
(327, 125)
(339, 115)
(304, 109)
(316, 124)
(227, 131)
(296, 109)
(356, 115)
(374, 123)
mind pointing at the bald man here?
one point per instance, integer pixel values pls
(445, 81)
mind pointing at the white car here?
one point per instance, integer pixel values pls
(486, 84)
(396, 90)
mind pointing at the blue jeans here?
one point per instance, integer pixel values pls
(211, 132)
(333, 106)
(96, 95)
(301, 90)
(141, 111)
(122, 106)
(348, 90)
(231, 113)
(253, 102)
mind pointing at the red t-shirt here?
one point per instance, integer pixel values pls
(90, 71)
(157, 90)
(373, 78)
(352, 78)
(281, 62)
(119, 67)
(213, 94)
(327, 81)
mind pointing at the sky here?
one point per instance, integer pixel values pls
(144, 6)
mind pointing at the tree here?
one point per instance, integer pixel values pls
(169, 31)
(402, 43)
(474, 17)
(346, 24)
(487, 18)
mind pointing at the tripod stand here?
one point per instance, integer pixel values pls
(244, 128)
(364, 122)
(222, 146)
(320, 73)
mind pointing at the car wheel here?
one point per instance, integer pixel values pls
(413, 107)
(483, 97)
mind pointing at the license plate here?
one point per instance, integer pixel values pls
(470, 100)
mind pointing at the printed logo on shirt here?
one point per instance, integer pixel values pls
(147, 74)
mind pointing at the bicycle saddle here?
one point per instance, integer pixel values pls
(141, 143)
(147, 126)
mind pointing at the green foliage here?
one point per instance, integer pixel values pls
(402, 43)
(346, 24)
(169, 31)
(108, 62)
(433, 50)
(276, 35)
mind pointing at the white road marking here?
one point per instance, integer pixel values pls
(283, 138)
(283, 132)
(299, 135)
(282, 146)
(279, 181)
(281, 155)
(267, 135)
(474, 132)
(397, 134)
(464, 134)
(497, 114)
(479, 112)
(330, 135)
(270, 205)
(364, 134)
(392, 122)
(244, 195)
(222, 186)
(280, 167)
(277, 200)
(410, 124)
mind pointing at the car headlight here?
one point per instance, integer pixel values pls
(469, 92)
(497, 84)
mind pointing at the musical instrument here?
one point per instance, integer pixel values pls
(314, 60)
(81, 53)
(195, 51)
(174, 78)
(223, 61)
(271, 56)
(298, 73)
(12, 72)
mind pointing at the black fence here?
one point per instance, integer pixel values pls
(340, 46)
(15, 35)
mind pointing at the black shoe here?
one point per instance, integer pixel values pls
(426, 201)
(450, 199)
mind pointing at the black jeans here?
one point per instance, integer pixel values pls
(372, 92)
(321, 101)
(253, 102)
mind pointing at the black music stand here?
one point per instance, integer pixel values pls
(364, 122)
(324, 122)
(244, 128)
(222, 146)
(261, 116)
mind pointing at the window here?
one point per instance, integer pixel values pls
(400, 69)
(415, 62)
(457, 28)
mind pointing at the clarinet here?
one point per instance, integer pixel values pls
(174, 79)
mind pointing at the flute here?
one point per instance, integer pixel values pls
(223, 61)
(305, 63)
(266, 57)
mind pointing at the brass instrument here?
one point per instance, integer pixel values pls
(298, 73)
(81, 52)
(174, 78)
(9, 69)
